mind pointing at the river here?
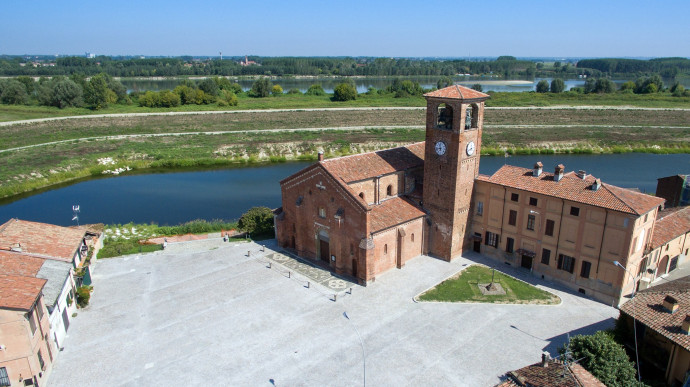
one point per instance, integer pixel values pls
(364, 83)
(176, 197)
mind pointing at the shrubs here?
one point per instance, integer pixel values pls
(257, 221)
(315, 90)
(344, 92)
(83, 295)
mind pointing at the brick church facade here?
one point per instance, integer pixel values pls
(365, 214)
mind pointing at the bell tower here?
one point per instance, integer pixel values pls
(454, 120)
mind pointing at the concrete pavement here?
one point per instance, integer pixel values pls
(206, 313)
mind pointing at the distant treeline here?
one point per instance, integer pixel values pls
(666, 67)
(276, 66)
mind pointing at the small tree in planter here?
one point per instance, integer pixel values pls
(83, 296)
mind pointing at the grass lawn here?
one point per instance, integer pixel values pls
(463, 288)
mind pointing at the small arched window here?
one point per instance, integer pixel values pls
(389, 190)
(471, 116)
(385, 249)
(445, 117)
(412, 237)
(361, 195)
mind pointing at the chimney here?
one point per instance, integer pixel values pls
(686, 325)
(581, 174)
(538, 167)
(320, 155)
(670, 304)
(596, 185)
(558, 175)
(545, 358)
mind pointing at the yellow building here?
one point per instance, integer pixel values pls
(566, 227)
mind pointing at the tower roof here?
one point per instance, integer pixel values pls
(457, 92)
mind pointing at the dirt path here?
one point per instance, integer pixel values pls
(38, 120)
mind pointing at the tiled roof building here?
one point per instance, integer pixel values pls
(364, 214)
(664, 310)
(668, 247)
(44, 240)
(551, 373)
(36, 263)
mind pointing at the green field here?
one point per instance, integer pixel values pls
(660, 100)
(464, 288)
(64, 150)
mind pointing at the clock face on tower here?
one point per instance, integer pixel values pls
(440, 148)
(470, 148)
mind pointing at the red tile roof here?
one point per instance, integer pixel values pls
(573, 188)
(45, 240)
(392, 212)
(19, 264)
(648, 310)
(19, 292)
(372, 164)
(671, 224)
(536, 375)
(457, 92)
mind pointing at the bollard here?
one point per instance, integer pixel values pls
(335, 297)
(288, 274)
(263, 248)
(307, 284)
(249, 253)
(350, 292)
(269, 265)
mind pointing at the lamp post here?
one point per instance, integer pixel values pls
(632, 299)
(364, 359)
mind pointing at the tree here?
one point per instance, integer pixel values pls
(315, 90)
(66, 93)
(13, 92)
(97, 94)
(261, 88)
(651, 84)
(628, 87)
(209, 86)
(444, 82)
(344, 92)
(28, 83)
(506, 57)
(604, 358)
(477, 87)
(277, 90)
(604, 86)
(168, 99)
(257, 221)
(543, 86)
(557, 85)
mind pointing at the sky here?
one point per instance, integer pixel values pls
(403, 28)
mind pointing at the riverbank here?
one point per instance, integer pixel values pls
(42, 154)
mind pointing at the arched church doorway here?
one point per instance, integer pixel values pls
(323, 246)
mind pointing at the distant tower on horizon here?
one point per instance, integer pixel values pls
(221, 54)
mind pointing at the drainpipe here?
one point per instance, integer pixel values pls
(377, 186)
(601, 246)
(560, 227)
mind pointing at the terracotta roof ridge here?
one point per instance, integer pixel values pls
(606, 186)
(347, 188)
(6, 224)
(366, 153)
(457, 87)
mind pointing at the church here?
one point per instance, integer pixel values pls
(365, 214)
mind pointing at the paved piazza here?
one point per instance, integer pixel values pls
(205, 313)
